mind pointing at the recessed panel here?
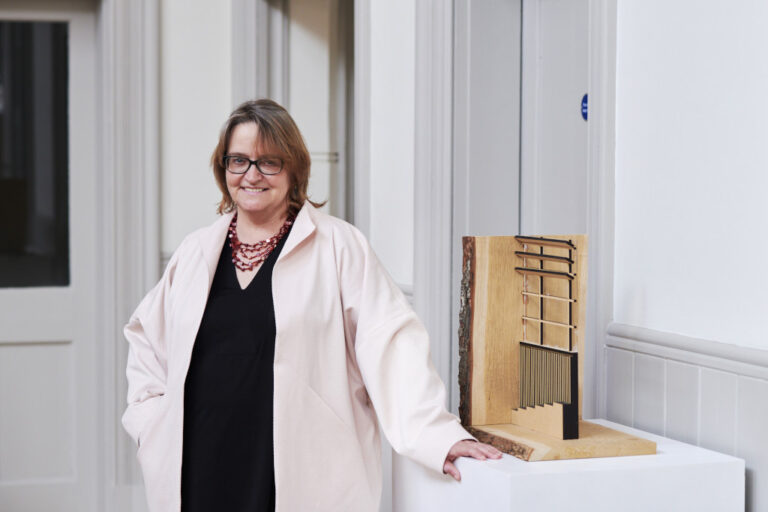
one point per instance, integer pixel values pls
(752, 424)
(37, 404)
(648, 391)
(719, 400)
(619, 395)
(682, 397)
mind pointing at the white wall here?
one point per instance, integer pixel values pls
(686, 356)
(691, 160)
(392, 117)
(195, 102)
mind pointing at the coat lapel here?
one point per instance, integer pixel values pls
(303, 226)
(211, 242)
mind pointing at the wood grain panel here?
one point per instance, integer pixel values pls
(496, 330)
(594, 441)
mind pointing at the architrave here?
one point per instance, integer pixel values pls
(361, 131)
(128, 76)
(433, 181)
(600, 192)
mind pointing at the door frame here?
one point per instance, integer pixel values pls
(43, 317)
(601, 138)
(433, 183)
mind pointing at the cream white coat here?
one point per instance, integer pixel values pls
(349, 349)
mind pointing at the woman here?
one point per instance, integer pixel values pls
(258, 360)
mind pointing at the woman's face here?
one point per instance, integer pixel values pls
(256, 195)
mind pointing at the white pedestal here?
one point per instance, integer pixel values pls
(680, 477)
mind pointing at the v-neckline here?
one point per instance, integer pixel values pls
(233, 272)
(253, 277)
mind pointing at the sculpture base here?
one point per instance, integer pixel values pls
(594, 441)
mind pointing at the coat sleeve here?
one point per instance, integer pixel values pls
(392, 351)
(147, 354)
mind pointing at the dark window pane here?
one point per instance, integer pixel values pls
(34, 158)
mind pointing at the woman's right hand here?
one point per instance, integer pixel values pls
(468, 448)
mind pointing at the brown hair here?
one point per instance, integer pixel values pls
(277, 132)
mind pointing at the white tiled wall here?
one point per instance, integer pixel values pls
(751, 443)
(716, 402)
(648, 393)
(717, 420)
(681, 396)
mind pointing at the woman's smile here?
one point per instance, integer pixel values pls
(254, 190)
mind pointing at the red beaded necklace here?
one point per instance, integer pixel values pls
(248, 256)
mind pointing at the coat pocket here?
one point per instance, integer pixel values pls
(154, 410)
(138, 414)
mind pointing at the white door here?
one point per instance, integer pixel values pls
(49, 443)
(553, 130)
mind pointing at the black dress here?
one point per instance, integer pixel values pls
(227, 461)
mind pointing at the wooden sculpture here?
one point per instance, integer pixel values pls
(521, 343)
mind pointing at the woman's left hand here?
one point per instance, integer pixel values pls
(468, 448)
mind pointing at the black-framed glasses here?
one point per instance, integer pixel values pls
(268, 165)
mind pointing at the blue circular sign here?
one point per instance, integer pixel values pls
(585, 106)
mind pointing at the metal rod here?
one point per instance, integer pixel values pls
(541, 241)
(549, 322)
(545, 273)
(570, 305)
(548, 257)
(525, 302)
(541, 300)
(552, 297)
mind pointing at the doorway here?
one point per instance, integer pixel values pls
(49, 379)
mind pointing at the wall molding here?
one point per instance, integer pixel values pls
(433, 182)
(601, 138)
(128, 77)
(746, 361)
(361, 131)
